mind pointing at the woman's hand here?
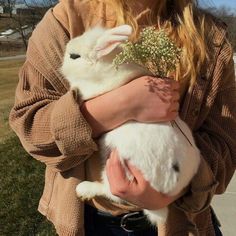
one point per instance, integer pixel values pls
(152, 99)
(138, 191)
(146, 99)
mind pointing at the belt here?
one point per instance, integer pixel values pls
(130, 222)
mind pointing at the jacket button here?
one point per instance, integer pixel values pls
(195, 112)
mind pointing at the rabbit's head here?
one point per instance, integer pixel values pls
(88, 59)
(86, 50)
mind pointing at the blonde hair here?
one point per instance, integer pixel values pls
(184, 23)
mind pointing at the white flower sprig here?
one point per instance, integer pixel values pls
(154, 50)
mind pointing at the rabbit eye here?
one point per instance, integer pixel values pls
(74, 56)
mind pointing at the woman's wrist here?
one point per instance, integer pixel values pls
(106, 112)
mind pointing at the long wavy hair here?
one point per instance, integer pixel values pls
(184, 23)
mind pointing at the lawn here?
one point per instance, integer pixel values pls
(8, 81)
(21, 177)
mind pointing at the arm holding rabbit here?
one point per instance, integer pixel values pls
(136, 100)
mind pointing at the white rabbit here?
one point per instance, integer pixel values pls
(165, 153)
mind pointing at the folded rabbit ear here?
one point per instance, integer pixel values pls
(111, 39)
(121, 30)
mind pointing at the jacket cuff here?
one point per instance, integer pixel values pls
(200, 191)
(71, 132)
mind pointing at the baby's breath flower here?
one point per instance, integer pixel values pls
(154, 51)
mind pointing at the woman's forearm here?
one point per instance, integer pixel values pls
(106, 112)
(137, 100)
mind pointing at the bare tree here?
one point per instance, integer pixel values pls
(19, 24)
(7, 6)
(26, 17)
(30, 16)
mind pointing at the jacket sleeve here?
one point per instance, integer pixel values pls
(46, 116)
(215, 138)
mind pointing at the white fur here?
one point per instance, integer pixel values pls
(158, 150)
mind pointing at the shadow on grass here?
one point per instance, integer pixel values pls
(21, 185)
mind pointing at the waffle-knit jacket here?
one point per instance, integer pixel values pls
(47, 118)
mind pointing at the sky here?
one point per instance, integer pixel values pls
(217, 3)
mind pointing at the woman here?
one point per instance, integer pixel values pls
(56, 128)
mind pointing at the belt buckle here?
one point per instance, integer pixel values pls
(124, 219)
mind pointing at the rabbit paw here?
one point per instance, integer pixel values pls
(87, 190)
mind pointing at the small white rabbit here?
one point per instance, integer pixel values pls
(165, 153)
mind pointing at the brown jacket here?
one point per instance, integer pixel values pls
(47, 118)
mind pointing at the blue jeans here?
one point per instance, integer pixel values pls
(94, 227)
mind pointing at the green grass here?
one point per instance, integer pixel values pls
(8, 80)
(21, 177)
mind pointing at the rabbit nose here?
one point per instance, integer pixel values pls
(74, 56)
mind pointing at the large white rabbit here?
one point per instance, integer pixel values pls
(165, 153)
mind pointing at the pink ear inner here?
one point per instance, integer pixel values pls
(111, 39)
(105, 51)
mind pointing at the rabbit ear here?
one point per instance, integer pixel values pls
(108, 44)
(111, 39)
(121, 30)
